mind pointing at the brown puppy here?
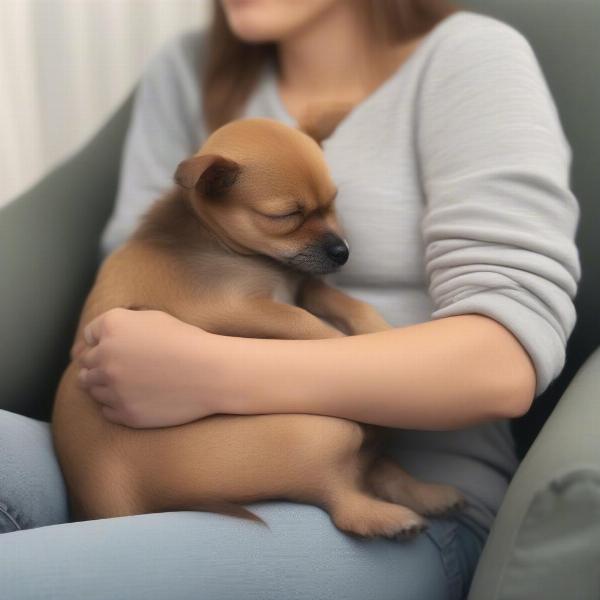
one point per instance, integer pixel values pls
(231, 250)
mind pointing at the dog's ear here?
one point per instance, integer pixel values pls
(211, 174)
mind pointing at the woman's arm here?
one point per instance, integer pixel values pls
(148, 369)
(443, 374)
(500, 219)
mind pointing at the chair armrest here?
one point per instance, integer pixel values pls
(49, 254)
(545, 541)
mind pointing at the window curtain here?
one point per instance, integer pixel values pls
(65, 65)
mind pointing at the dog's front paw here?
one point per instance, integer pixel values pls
(366, 320)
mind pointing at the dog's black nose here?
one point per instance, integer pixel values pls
(338, 251)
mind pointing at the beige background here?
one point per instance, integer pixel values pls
(65, 65)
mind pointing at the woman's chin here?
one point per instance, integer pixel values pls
(256, 33)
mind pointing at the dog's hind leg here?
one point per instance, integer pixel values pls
(356, 510)
(389, 481)
(358, 513)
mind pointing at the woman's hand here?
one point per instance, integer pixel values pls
(147, 369)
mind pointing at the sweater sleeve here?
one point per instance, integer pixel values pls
(165, 127)
(500, 220)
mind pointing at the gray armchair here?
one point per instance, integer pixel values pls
(547, 534)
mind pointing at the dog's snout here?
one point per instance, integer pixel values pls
(338, 251)
(326, 255)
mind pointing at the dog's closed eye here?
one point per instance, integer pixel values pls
(286, 215)
(296, 213)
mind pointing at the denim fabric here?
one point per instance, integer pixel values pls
(32, 492)
(460, 547)
(193, 555)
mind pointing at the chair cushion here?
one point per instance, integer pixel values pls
(545, 542)
(556, 550)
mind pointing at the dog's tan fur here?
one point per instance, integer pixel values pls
(205, 255)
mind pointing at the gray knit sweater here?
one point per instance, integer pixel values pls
(453, 182)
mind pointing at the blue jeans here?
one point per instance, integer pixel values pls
(194, 555)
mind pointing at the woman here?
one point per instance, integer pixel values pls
(452, 171)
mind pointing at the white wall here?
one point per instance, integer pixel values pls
(65, 65)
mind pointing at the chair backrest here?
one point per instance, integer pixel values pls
(49, 254)
(565, 35)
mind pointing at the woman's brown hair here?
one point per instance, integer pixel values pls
(232, 66)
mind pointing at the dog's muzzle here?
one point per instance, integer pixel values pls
(325, 256)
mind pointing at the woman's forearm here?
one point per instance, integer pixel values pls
(444, 374)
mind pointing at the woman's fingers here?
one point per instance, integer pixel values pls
(92, 377)
(95, 329)
(91, 332)
(103, 395)
(77, 348)
(91, 337)
(111, 414)
(89, 358)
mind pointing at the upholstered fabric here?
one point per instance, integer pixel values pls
(545, 542)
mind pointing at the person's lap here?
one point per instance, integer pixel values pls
(32, 491)
(202, 555)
